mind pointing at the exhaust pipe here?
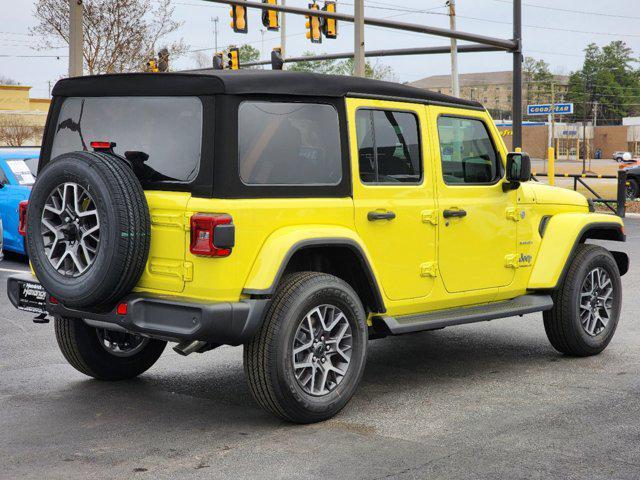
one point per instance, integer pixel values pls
(187, 348)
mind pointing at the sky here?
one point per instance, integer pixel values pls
(555, 31)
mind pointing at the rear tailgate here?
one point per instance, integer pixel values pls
(166, 269)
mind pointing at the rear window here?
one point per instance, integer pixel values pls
(161, 136)
(289, 144)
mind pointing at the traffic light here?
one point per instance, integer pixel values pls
(151, 66)
(276, 59)
(218, 62)
(314, 26)
(239, 19)
(330, 25)
(234, 58)
(270, 17)
(163, 60)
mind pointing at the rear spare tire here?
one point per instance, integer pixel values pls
(88, 229)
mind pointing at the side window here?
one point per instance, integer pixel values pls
(289, 144)
(3, 178)
(467, 152)
(388, 146)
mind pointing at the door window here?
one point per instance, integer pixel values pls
(388, 147)
(467, 152)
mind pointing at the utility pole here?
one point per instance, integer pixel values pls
(516, 115)
(553, 113)
(455, 86)
(262, 30)
(283, 33)
(215, 33)
(358, 39)
(75, 38)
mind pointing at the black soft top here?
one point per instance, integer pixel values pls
(244, 82)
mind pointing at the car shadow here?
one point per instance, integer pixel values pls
(15, 257)
(218, 394)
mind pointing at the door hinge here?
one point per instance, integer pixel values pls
(430, 216)
(172, 268)
(511, 260)
(513, 214)
(429, 269)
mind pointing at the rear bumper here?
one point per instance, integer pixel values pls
(165, 317)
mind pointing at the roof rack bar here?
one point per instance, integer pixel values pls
(503, 44)
(382, 53)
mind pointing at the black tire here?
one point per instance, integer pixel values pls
(125, 229)
(563, 322)
(80, 345)
(618, 159)
(633, 189)
(268, 356)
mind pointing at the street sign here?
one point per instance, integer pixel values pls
(545, 109)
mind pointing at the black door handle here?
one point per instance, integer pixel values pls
(454, 213)
(373, 216)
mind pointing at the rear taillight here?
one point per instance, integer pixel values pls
(22, 217)
(212, 235)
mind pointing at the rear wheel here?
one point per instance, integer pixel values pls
(307, 359)
(105, 354)
(586, 304)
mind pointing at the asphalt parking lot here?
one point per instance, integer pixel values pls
(490, 400)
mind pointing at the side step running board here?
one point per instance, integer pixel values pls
(460, 316)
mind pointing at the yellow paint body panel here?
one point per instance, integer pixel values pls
(558, 242)
(421, 261)
(277, 246)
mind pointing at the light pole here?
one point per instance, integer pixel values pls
(75, 38)
(358, 39)
(455, 85)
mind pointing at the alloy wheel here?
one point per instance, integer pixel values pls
(70, 229)
(596, 301)
(322, 348)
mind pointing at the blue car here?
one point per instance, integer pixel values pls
(17, 174)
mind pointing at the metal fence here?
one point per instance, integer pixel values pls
(580, 178)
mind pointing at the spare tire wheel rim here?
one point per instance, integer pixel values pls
(322, 347)
(70, 229)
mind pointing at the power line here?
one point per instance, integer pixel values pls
(557, 29)
(568, 10)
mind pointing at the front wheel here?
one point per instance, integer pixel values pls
(586, 304)
(307, 359)
(105, 354)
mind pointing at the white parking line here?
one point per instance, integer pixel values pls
(11, 270)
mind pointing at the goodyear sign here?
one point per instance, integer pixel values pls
(545, 109)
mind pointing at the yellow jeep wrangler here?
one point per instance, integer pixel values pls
(298, 215)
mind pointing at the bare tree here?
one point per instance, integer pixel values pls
(8, 81)
(201, 60)
(14, 133)
(119, 34)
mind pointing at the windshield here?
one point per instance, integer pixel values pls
(160, 136)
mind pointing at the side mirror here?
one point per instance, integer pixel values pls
(518, 169)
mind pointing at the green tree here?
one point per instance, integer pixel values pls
(248, 53)
(537, 79)
(376, 70)
(608, 82)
